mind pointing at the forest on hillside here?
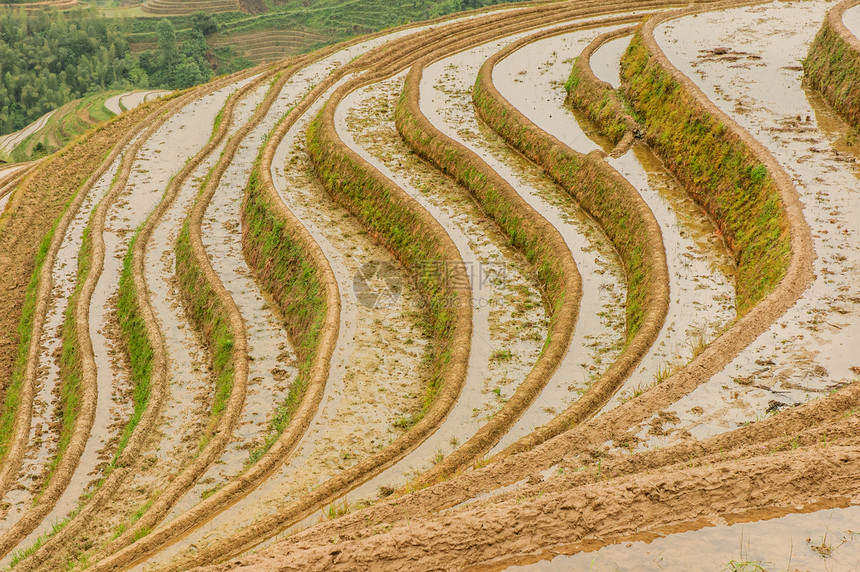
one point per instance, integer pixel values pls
(48, 58)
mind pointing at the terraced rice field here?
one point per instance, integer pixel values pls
(565, 285)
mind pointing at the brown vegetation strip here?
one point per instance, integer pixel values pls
(529, 231)
(382, 57)
(599, 100)
(587, 438)
(833, 64)
(625, 218)
(89, 379)
(401, 55)
(23, 414)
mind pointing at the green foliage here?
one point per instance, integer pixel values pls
(173, 65)
(718, 170)
(49, 58)
(137, 347)
(25, 333)
(833, 68)
(284, 271)
(209, 317)
(600, 104)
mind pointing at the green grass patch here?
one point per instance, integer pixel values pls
(209, 317)
(721, 173)
(600, 104)
(600, 193)
(25, 333)
(400, 229)
(286, 273)
(832, 67)
(137, 346)
(66, 124)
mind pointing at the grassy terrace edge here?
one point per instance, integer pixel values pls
(401, 227)
(149, 378)
(832, 66)
(624, 217)
(529, 232)
(71, 175)
(291, 276)
(717, 168)
(596, 98)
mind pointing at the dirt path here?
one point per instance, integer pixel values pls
(824, 539)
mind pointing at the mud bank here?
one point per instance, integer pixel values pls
(803, 355)
(832, 64)
(632, 229)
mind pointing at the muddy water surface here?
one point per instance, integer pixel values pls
(851, 19)
(131, 99)
(161, 156)
(810, 350)
(446, 100)
(272, 361)
(700, 268)
(605, 61)
(186, 412)
(826, 540)
(44, 428)
(509, 320)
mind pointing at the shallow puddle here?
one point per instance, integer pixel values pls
(851, 19)
(825, 540)
(605, 61)
(808, 352)
(701, 273)
(532, 79)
